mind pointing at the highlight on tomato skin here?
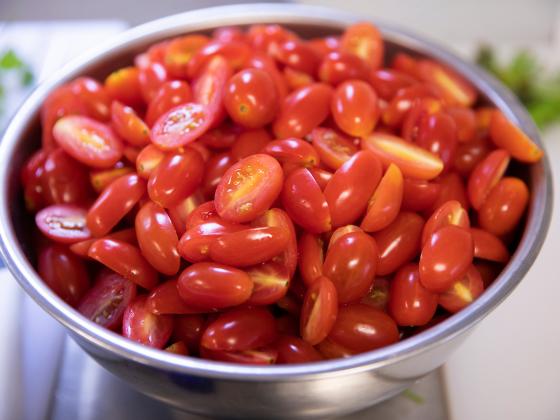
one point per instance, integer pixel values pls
(508, 136)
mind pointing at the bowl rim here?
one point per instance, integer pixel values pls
(538, 218)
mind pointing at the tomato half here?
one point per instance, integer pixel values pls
(486, 175)
(129, 125)
(450, 213)
(140, 325)
(311, 258)
(63, 223)
(180, 126)
(338, 66)
(333, 148)
(488, 246)
(508, 136)
(319, 311)
(364, 40)
(463, 292)
(165, 300)
(170, 95)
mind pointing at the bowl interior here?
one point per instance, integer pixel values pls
(23, 137)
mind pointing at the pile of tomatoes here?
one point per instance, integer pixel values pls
(259, 198)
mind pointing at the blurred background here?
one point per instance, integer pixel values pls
(507, 369)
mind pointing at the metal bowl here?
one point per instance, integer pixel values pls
(309, 390)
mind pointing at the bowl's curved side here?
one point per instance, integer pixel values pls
(107, 346)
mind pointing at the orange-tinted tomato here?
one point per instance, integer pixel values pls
(449, 213)
(140, 325)
(123, 85)
(354, 108)
(363, 40)
(399, 242)
(169, 95)
(63, 223)
(445, 257)
(303, 110)
(114, 203)
(293, 150)
(129, 125)
(338, 66)
(413, 161)
(103, 178)
(505, 205)
(88, 141)
(157, 238)
(410, 303)
(148, 159)
(270, 283)
(387, 82)
(385, 203)
(350, 188)
(319, 311)
(451, 187)
(64, 273)
(463, 291)
(403, 101)
(179, 52)
(295, 350)
(176, 177)
(234, 53)
(297, 55)
(486, 175)
(465, 121)
(211, 285)
(311, 258)
(333, 148)
(361, 328)
(508, 136)
(305, 202)
(250, 98)
(240, 329)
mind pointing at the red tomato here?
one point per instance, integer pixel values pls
(378, 295)
(157, 238)
(203, 213)
(151, 78)
(267, 37)
(486, 175)
(103, 178)
(248, 188)
(324, 45)
(148, 159)
(406, 64)
(240, 329)
(293, 150)
(234, 53)
(250, 142)
(340, 232)
(403, 101)
(418, 194)
(303, 110)
(399, 242)
(354, 108)
(322, 176)
(319, 311)
(346, 193)
(470, 154)
(266, 63)
(228, 34)
(180, 212)
(250, 98)
(505, 205)
(462, 292)
(364, 40)
(488, 271)
(350, 264)
(488, 246)
(129, 125)
(179, 348)
(169, 95)
(181, 125)
(211, 285)
(361, 328)
(413, 161)
(123, 85)
(63, 180)
(331, 350)
(298, 56)
(31, 175)
(270, 283)
(107, 300)
(438, 134)
(338, 66)
(176, 177)
(189, 329)
(215, 168)
(63, 223)
(445, 257)
(246, 357)
(114, 203)
(180, 51)
(415, 118)
(93, 96)
(385, 203)
(194, 245)
(126, 235)
(126, 260)
(387, 82)
(508, 136)
(88, 141)
(222, 137)
(450, 213)
(165, 299)
(465, 121)
(410, 303)
(451, 187)
(140, 325)
(295, 350)
(311, 257)
(64, 273)
(305, 202)
(333, 148)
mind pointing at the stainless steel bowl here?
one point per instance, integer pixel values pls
(321, 389)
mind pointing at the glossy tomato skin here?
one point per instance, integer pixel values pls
(64, 273)
(363, 40)
(299, 56)
(250, 98)
(486, 175)
(508, 136)
(195, 243)
(271, 281)
(438, 134)
(128, 125)
(293, 151)
(419, 195)
(449, 213)
(212, 285)
(248, 188)
(319, 310)
(189, 329)
(451, 187)
(303, 110)
(88, 141)
(63, 223)
(360, 328)
(126, 260)
(165, 300)
(151, 78)
(488, 246)
(311, 258)
(157, 238)
(250, 142)
(337, 67)
(388, 82)
(399, 242)
(181, 125)
(410, 303)
(114, 203)
(463, 291)
(240, 329)
(350, 263)
(179, 51)
(504, 207)
(295, 350)
(351, 186)
(470, 154)
(333, 148)
(176, 177)
(169, 95)
(63, 180)
(142, 326)
(124, 85)
(107, 300)
(304, 201)
(147, 160)
(215, 168)
(103, 178)
(445, 257)
(354, 107)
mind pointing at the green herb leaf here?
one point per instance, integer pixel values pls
(9, 60)
(413, 396)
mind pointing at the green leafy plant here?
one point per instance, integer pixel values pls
(10, 62)
(524, 75)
